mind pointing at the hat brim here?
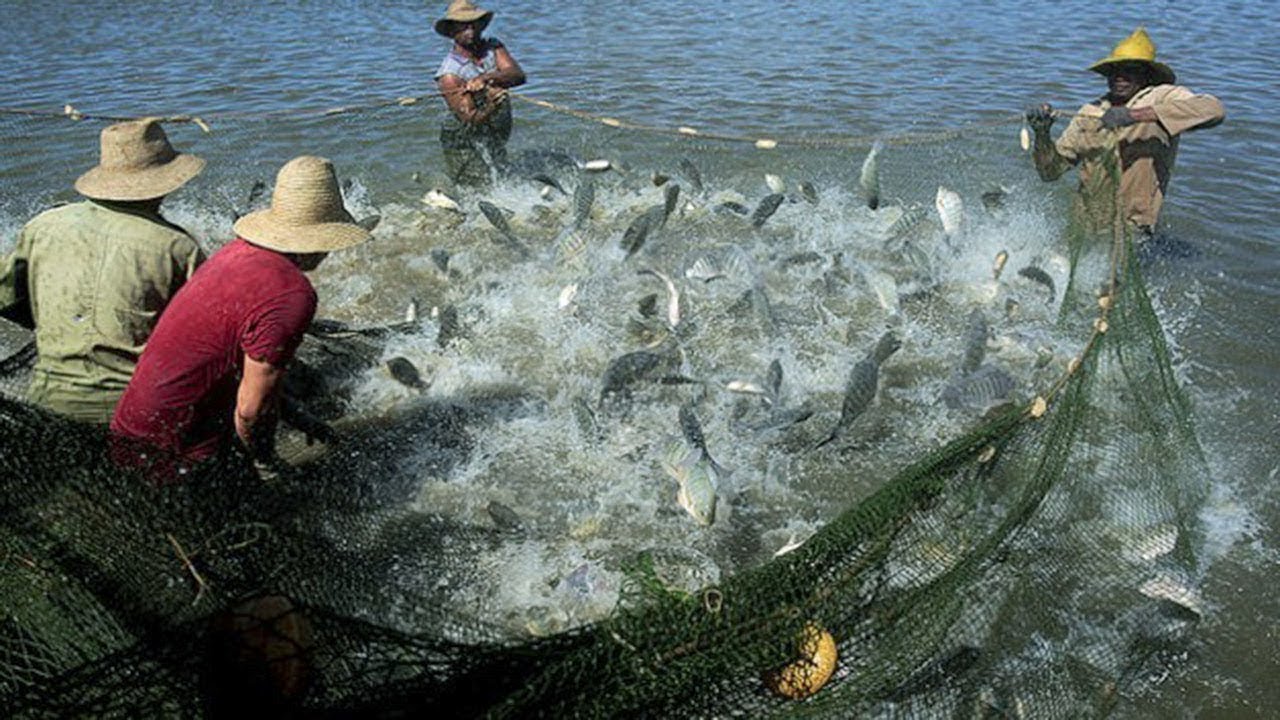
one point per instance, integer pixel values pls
(1160, 73)
(101, 183)
(444, 24)
(262, 228)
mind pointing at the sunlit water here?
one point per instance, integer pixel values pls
(781, 70)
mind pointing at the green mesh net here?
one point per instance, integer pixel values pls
(1027, 561)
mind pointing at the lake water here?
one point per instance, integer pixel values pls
(261, 73)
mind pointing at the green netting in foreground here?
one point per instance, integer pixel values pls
(1029, 568)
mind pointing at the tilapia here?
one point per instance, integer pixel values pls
(568, 294)
(869, 179)
(570, 246)
(860, 388)
(774, 183)
(690, 173)
(773, 380)
(636, 233)
(696, 473)
(975, 342)
(585, 417)
(704, 269)
(734, 207)
(993, 200)
(997, 267)
(626, 370)
(498, 219)
(440, 258)
(670, 196)
(950, 212)
(985, 387)
(406, 374)
(450, 326)
(1035, 274)
(548, 181)
(438, 199)
(584, 196)
(808, 192)
(504, 517)
(765, 210)
(673, 295)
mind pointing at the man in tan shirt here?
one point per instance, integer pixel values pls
(1138, 122)
(92, 277)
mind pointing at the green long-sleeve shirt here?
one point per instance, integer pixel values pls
(93, 277)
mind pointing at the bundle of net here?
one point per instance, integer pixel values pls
(688, 432)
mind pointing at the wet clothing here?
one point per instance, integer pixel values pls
(1147, 153)
(93, 277)
(472, 151)
(245, 300)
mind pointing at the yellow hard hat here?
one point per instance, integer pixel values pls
(1137, 48)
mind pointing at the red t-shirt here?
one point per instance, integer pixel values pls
(245, 300)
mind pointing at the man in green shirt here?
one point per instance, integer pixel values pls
(91, 278)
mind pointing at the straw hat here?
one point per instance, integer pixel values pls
(306, 213)
(137, 163)
(1137, 48)
(462, 11)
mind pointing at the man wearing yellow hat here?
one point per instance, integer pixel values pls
(473, 78)
(92, 277)
(212, 370)
(1138, 122)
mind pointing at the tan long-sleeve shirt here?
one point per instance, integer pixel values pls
(1147, 151)
(95, 278)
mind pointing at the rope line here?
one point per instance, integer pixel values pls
(759, 142)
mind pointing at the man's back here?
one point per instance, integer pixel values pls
(244, 300)
(97, 277)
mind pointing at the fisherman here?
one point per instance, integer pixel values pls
(473, 78)
(213, 369)
(92, 277)
(1143, 113)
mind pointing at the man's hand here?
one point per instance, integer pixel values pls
(1040, 117)
(1117, 117)
(476, 84)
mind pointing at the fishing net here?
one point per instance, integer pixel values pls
(1029, 552)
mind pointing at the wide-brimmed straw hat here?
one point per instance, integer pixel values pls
(137, 163)
(1137, 48)
(462, 11)
(306, 213)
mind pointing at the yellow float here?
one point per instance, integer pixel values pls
(805, 676)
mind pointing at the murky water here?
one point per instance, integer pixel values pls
(780, 70)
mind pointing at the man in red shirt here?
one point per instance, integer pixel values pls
(212, 368)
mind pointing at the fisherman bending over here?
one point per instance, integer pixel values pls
(473, 79)
(213, 368)
(91, 278)
(1143, 114)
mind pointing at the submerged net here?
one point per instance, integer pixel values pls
(1027, 551)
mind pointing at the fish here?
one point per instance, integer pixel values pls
(585, 417)
(690, 173)
(951, 212)
(595, 165)
(975, 342)
(670, 196)
(883, 286)
(997, 267)
(773, 380)
(808, 192)
(993, 200)
(438, 199)
(657, 217)
(440, 257)
(982, 389)
(450, 326)
(765, 210)
(782, 418)
(746, 387)
(860, 388)
(869, 178)
(704, 269)
(638, 366)
(673, 295)
(369, 222)
(636, 233)
(1024, 138)
(774, 183)
(648, 305)
(1035, 274)
(1170, 587)
(584, 196)
(697, 475)
(1149, 544)
(548, 181)
(405, 373)
(498, 219)
(570, 246)
(504, 517)
(793, 543)
(736, 208)
(658, 179)
(567, 295)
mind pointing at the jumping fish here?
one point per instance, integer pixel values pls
(638, 366)
(773, 381)
(567, 295)
(437, 199)
(860, 388)
(765, 210)
(997, 267)
(595, 165)
(673, 295)
(498, 219)
(951, 212)
(734, 207)
(703, 269)
(809, 192)
(690, 173)
(774, 183)
(440, 257)
(985, 387)
(584, 196)
(659, 179)
(548, 181)
(975, 342)
(993, 199)
(450, 326)
(636, 233)
(1035, 274)
(696, 473)
(670, 196)
(504, 517)
(405, 373)
(870, 176)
